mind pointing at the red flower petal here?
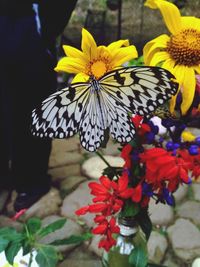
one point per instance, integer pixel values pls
(98, 207)
(100, 229)
(137, 195)
(106, 182)
(82, 211)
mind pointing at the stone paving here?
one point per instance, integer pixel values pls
(174, 242)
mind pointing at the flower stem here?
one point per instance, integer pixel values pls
(108, 164)
(102, 157)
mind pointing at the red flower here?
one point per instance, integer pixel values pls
(141, 127)
(125, 154)
(193, 162)
(107, 228)
(162, 168)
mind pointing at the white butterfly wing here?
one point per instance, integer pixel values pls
(59, 115)
(139, 90)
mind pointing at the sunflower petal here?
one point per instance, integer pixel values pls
(197, 69)
(170, 13)
(154, 46)
(118, 44)
(80, 77)
(123, 55)
(71, 65)
(190, 22)
(71, 51)
(88, 45)
(189, 84)
(159, 57)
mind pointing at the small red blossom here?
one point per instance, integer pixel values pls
(141, 127)
(18, 214)
(125, 154)
(162, 168)
(107, 228)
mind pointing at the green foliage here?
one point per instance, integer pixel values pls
(130, 209)
(138, 257)
(136, 62)
(144, 221)
(28, 239)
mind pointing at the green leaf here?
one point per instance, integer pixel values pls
(130, 209)
(144, 221)
(33, 225)
(26, 247)
(46, 256)
(52, 227)
(3, 244)
(73, 239)
(11, 234)
(11, 251)
(138, 257)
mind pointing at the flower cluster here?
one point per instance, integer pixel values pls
(109, 199)
(153, 168)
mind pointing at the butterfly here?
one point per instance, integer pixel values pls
(94, 107)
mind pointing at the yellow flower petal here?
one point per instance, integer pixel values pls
(188, 89)
(190, 22)
(159, 57)
(118, 44)
(71, 65)
(80, 77)
(123, 55)
(103, 52)
(170, 13)
(197, 69)
(154, 46)
(188, 136)
(169, 65)
(88, 45)
(71, 51)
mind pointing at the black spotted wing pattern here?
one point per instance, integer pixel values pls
(92, 108)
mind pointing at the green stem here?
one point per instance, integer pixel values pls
(102, 157)
(107, 163)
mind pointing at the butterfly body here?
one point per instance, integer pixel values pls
(93, 107)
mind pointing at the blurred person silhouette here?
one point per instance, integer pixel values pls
(28, 31)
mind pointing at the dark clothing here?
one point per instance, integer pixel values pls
(27, 76)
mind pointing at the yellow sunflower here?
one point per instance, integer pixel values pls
(179, 53)
(94, 60)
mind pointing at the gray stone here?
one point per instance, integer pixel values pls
(7, 222)
(160, 214)
(65, 145)
(60, 173)
(3, 198)
(196, 262)
(157, 245)
(47, 205)
(111, 148)
(190, 210)
(70, 183)
(94, 245)
(185, 239)
(76, 200)
(193, 130)
(93, 167)
(64, 158)
(69, 228)
(196, 191)
(81, 256)
(180, 193)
